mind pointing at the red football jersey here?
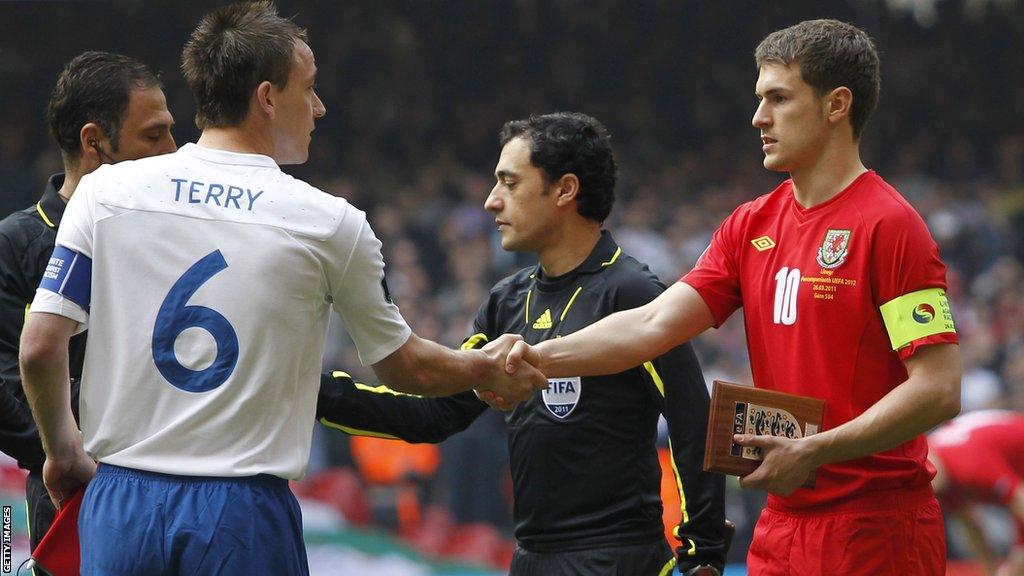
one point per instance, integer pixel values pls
(983, 453)
(815, 284)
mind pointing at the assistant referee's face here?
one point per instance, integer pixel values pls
(524, 207)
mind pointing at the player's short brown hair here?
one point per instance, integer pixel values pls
(830, 54)
(230, 53)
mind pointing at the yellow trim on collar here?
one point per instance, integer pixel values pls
(39, 208)
(618, 252)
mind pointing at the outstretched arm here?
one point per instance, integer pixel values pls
(620, 341)
(361, 410)
(424, 367)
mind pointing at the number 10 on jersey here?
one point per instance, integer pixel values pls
(787, 284)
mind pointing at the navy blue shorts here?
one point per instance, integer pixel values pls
(135, 522)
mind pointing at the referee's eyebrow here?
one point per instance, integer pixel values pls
(503, 173)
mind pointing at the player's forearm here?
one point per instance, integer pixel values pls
(44, 375)
(930, 395)
(614, 344)
(628, 338)
(429, 369)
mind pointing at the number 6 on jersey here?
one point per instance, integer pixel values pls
(175, 316)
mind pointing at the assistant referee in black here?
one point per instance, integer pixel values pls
(585, 470)
(104, 108)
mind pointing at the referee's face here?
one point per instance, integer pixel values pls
(523, 206)
(145, 127)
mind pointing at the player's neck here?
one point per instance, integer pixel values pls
(570, 249)
(830, 173)
(239, 139)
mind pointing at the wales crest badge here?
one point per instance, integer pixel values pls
(834, 248)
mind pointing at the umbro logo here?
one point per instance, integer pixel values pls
(544, 322)
(763, 243)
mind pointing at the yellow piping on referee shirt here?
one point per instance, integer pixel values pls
(660, 384)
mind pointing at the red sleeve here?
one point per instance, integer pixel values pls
(716, 275)
(905, 259)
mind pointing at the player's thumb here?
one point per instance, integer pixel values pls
(515, 357)
(750, 440)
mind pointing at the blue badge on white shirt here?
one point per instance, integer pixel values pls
(69, 274)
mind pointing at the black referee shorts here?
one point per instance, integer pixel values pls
(40, 508)
(652, 559)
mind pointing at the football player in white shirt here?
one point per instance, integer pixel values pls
(206, 278)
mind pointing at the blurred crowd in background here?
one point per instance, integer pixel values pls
(417, 90)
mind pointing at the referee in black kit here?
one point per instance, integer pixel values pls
(584, 464)
(105, 108)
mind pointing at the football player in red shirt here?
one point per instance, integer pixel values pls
(844, 299)
(979, 458)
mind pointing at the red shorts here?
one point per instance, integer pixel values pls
(890, 535)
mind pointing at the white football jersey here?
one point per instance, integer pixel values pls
(213, 274)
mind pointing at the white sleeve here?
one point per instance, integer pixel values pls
(46, 301)
(74, 234)
(370, 317)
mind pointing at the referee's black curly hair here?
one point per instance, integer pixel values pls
(571, 143)
(94, 87)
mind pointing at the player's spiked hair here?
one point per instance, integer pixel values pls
(830, 54)
(230, 53)
(571, 143)
(94, 87)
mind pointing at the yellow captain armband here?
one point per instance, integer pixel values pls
(917, 315)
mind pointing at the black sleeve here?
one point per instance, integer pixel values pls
(361, 410)
(685, 404)
(702, 494)
(19, 437)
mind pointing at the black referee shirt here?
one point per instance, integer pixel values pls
(584, 462)
(26, 243)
